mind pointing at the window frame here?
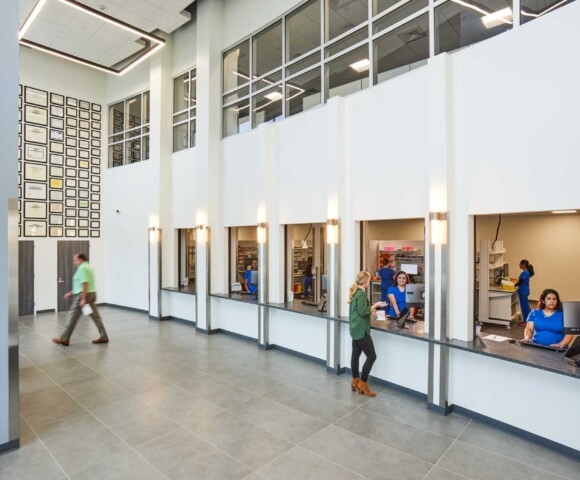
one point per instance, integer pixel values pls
(190, 111)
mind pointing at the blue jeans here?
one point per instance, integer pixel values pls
(307, 285)
(385, 298)
(525, 306)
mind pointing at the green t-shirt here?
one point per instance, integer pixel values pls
(359, 315)
(83, 274)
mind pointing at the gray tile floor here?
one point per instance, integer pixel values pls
(163, 402)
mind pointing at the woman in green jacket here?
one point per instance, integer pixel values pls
(359, 320)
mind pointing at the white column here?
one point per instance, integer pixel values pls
(9, 421)
(208, 161)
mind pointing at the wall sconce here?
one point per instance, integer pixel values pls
(153, 234)
(201, 232)
(438, 227)
(332, 231)
(262, 232)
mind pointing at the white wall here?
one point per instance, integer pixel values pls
(55, 75)
(184, 49)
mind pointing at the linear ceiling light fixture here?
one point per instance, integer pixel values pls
(155, 43)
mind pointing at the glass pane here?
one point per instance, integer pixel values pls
(116, 118)
(146, 148)
(193, 89)
(237, 66)
(303, 30)
(146, 108)
(181, 92)
(303, 92)
(192, 125)
(402, 49)
(180, 141)
(347, 42)
(267, 106)
(242, 92)
(179, 118)
(116, 155)
(267, 50)
(349, 73)
(399, 14)
(382, 5)
(116, 138)
(133, 150)
(531, 9)
(192, 113)
(237, 118)
(133, 107)
(457, 26)
(344, 15)
(267, 81)
(303, 64)
(133, 133)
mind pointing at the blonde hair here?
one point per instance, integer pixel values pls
(361, 279)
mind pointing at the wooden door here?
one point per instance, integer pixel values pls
(26, 277)
(67, 249)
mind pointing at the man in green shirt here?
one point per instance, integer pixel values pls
(83, 293)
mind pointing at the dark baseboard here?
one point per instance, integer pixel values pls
(48, 310)
(9, 446)
(394, 386)
(122, 307)
(336, 371)
(303, 356)
(184, 321)
(213, 331)
(238, 335)
(518, 432)
(446, 410)
(266, 346)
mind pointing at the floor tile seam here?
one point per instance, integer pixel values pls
(201, 398)
(446, 450)
(252, 470)
(413, 425)
(82, 363)
(334, 463)
(382, 445)
(48, 450)
(514, 460)
(243, 388)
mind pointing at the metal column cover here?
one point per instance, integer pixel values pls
(208, 279)
(333, 286)
(438, 379)
(263, 311)
(159, 270)
(13, 372)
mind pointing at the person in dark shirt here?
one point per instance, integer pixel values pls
(308, 278)
(387, 275)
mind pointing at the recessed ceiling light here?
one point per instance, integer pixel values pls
(564, 211)
(497, 18)
(273, 96)
(361, 65)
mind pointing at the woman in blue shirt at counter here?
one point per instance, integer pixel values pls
(387, 275)
(397, 295)
(248, 278)
(523, 285)
(546, 323)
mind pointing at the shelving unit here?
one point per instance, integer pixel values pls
(247, 250)
(191, 254)
(300, 255)
(495, 305)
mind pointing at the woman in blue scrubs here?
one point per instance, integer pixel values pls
(387, 275)
(248, 287)
(523, 285)
(546, 323)
(397, 295)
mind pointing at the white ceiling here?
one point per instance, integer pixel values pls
(71, 31)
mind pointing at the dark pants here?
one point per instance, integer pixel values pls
(385, 298)
(525, 306)
(307, 285)
(367, 346)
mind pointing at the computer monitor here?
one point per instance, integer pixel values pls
(254, 278)
(410, 268)
(415, 294)
(571, 318)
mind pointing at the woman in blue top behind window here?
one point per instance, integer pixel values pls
(387, 274)
(397, 295)
(523, 285)
(546, 323)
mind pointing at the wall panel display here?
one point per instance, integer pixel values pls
(59, 165)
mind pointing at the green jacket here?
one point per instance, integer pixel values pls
(359, 315)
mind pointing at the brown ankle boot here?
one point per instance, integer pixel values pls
(363, 387)
(354, 383)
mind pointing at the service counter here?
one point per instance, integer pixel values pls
(179, 303)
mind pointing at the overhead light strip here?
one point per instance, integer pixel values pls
(159, 42)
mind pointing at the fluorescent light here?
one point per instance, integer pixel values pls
(361, 65)
(564, 211)
(31, 17)
(536, 15)
(131, 66)
(273, 96)
(495, 19)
